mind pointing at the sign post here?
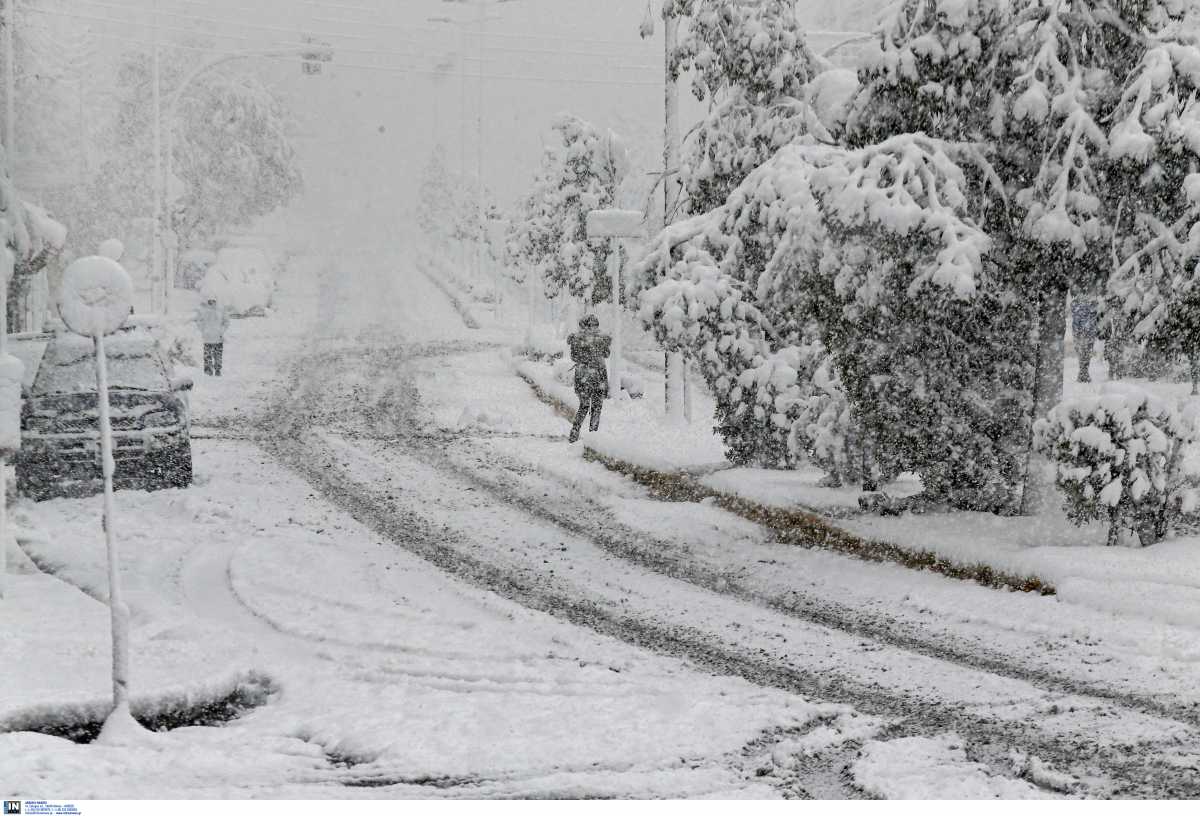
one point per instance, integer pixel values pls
(615, 224)
(94, 301)
(11, 371)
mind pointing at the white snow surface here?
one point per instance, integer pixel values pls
(401, 674)
(933, 768)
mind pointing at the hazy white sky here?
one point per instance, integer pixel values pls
(367, 124)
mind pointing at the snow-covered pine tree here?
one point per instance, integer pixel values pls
(1155, 145)
(836, 275)
(438, 203)
(1033, 85)
(582, 172)
(749, 59)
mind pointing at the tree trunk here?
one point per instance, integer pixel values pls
(673, 385)
(1047, 392)
(1114, 528)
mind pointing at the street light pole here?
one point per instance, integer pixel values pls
(462, 112)
(7, 256)
(481, 19)
(159, 193)
(10, 87)
(673, 368)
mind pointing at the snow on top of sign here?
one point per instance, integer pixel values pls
(615, 222)
(112, 248)
(95, 296)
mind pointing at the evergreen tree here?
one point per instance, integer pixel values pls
(749, 60)
(581, 173)
(439, 204)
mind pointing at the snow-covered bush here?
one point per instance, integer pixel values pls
(440, 199)
(867, 257)
(1124, 457)
(549, 236)
(751, 61)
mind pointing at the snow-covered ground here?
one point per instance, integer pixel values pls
(451, 601)
(1161, 583)
(395, 679)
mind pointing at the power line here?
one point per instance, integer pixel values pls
(323, 34)
(94, 18)
(362, 66)
(221, 21)
(487, 77)
(631, 44)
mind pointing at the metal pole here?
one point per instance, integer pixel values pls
(10, 86)
(614, 274)
(7, 257)
(462, 133)
(156, 249)
(482, 248)
(119, 613)
(7, 269)
(670, 166)
(172, 106)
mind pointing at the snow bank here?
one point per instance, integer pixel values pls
(932, 768)
(634, 430)
(798, 489)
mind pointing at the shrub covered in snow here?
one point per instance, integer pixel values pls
(863, 266)
(750, 59)
(582, 172)
(1124, 457)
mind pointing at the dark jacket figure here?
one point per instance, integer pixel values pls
(589, 352)
(1085, 321)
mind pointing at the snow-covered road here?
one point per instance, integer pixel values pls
(472, 613)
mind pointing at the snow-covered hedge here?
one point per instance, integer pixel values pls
(1124, 457)
(862, 265)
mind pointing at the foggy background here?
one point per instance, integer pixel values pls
(399, 83)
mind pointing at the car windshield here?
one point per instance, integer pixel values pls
(67, 371)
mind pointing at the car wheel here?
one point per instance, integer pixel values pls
(173, 468)
(180, 472)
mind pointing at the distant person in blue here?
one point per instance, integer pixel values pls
(1085, 321)
(589, 352)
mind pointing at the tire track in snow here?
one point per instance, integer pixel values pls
(395, 413)
(993, 738)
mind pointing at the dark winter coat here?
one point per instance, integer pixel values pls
(589, 352)
(1084, 319)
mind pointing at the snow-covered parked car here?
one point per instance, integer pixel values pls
(242, 279)
(60, 430)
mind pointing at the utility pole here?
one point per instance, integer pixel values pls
(481, 250)
(462, 113)
(481, 20)
(673, 369)
(10, 86)
(156, 232)
(7, 261)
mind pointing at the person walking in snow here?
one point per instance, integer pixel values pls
(213, 321)
(589, 352)
(1085, 327)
